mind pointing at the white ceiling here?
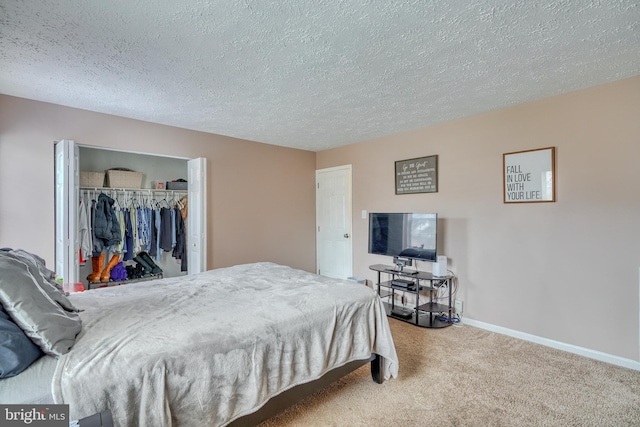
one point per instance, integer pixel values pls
(311, 74)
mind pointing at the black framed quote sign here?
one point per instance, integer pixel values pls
(529, 176)
(417, 175)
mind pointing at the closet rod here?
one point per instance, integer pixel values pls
(134, 190)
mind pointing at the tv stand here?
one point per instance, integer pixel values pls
(424, 315)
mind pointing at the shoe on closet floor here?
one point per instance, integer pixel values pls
(97, 263)
(106, 273)
(154, 267)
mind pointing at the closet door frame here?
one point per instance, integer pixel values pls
(67, 190)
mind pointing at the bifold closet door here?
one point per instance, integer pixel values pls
(197, 217)
(66, 210)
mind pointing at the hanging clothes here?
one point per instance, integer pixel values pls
(133, 223)
(165, 239)
(90, 234)
(97, 248)
(153, 243)
(130, 222)
(144, 229)
(158, 224)
(84, 233)
(180, 250)
(142, 225)
(173, 227)
(128, 236)
(106, 226)
(184, 202)
(120, 248)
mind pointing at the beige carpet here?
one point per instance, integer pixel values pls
(465, 376)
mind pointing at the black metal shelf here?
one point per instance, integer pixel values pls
(433, 307)
(424, 320)
(426, 315)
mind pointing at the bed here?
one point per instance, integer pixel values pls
(227, 346)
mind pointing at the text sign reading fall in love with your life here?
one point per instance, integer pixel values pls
(529, 176)
(417, 175)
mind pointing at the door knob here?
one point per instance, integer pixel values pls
(346, 235)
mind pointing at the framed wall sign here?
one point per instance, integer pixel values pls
(417, 175)
(529, 176)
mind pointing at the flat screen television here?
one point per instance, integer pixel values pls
(404, 235)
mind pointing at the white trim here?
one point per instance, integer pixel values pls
(335, 168)
(592, 354)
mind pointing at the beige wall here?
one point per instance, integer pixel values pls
(261, 201)
(535, 268)
(565, 271)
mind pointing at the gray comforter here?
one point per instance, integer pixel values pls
(208, 348)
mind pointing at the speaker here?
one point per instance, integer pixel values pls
(440, 267)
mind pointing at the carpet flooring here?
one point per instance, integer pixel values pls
(466, 376)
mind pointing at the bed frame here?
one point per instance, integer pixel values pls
(294, 395)
(278, 403)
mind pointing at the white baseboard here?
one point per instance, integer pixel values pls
(592, 354)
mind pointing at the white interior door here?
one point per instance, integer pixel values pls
(334, 257)
(197, 218)
(66, 210)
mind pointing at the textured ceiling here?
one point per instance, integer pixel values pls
(311, 74)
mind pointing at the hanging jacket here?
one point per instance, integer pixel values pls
(128, 236)
(180, 250)
(106, 226)
(84, 233)
(166, 241)
(120, 247)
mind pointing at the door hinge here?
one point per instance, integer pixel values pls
(318, 184)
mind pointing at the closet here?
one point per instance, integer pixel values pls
(72, 158)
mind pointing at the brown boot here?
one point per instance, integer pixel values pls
(97, 262)
(106, 273)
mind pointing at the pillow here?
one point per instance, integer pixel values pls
(34, 302)
(17, 351)
(46, 275)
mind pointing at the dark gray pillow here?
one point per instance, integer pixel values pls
(36, 304)
(17, 351)
(55, 288)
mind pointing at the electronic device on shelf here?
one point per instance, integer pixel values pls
(401, 283)
(402, 314)
(404, 236)
(440, 267)
(404, 273)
